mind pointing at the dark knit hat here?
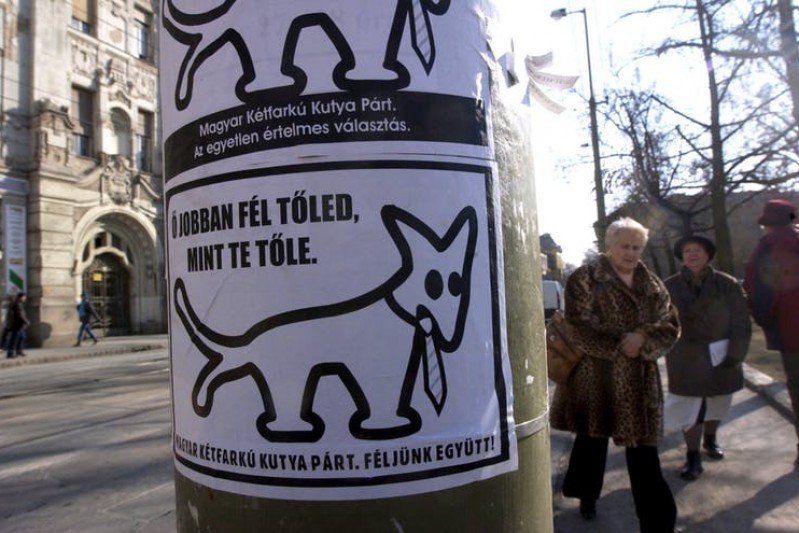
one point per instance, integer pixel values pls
(704, 242)
(777, 213)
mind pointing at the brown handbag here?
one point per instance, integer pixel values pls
(562, 357)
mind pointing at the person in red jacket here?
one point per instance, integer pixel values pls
(772, 285)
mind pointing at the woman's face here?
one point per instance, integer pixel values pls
(625, 251)
(694, 256)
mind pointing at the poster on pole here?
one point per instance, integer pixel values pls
(334, 248)
(15, 245)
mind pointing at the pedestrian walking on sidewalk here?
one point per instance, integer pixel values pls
(7, 322)
(86, 313)
(772, 284)
(623, 321)
(18, 321)
(705, 366)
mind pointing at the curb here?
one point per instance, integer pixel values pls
(89, 353)
(775, 393)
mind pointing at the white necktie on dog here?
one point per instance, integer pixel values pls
(422, 35)
(434, 380)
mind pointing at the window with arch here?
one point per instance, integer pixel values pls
(121, 133)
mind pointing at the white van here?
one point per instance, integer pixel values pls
(553, 297)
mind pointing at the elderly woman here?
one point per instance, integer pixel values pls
(704, 368)
(623, 321)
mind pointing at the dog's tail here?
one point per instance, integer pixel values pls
(220, 368)
(188, 317)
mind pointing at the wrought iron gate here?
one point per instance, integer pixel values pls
(106, 282)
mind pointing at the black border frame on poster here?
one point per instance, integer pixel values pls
(499, 378)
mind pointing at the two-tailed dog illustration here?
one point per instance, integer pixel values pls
(240, 26)
(378, 344)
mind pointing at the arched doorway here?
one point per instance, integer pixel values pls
(107, 283)
(116, 264)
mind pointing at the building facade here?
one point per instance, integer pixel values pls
(80, 164)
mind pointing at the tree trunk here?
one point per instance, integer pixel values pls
(790, 51)
(718, 197)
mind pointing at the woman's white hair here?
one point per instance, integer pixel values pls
(624, 224)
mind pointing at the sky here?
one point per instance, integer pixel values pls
(563, 158)
(565, 195)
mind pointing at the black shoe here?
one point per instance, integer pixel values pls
(11, 356)
(76, 344)
(588, 509)
(712, 448)
(95, 341)
(692, 468)
(20, 354)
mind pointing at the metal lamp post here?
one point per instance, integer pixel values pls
(601, 224)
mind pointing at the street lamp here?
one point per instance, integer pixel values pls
(601, 224)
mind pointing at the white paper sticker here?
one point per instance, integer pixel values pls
(334, 249)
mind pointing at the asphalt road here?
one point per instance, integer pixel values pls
(84, 446)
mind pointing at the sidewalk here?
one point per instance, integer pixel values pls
(755, 487)
(105, 346)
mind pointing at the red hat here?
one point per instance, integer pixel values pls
(777, 213)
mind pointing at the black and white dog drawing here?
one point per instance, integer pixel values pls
(209, 28)
(378, 343)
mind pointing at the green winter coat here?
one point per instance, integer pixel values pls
(719, 311)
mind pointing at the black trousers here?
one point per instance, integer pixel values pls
(790, 362)
(654, 502)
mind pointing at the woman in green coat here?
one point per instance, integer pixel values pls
(704, 367)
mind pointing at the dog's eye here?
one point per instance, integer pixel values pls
(434, 284)
(455, 284)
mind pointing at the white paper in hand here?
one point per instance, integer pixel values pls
(718, 351)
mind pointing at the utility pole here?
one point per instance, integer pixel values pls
(343, 204)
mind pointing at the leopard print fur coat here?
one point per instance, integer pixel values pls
(609, 394)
